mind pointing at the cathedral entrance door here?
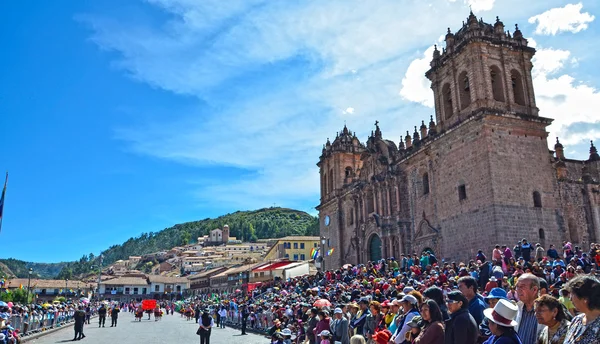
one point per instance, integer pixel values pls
(375, 248)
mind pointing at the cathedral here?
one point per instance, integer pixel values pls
(478, 174)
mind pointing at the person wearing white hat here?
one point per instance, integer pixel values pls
(501, 320)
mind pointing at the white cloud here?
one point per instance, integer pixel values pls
(261, 115)
(568, 18)
(548, 61)
(415, 86)
(561, 97)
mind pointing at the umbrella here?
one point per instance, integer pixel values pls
(10, 305)
(3, 304)
(346, 266)
(322, 303)
(238, 291)
(46, 305)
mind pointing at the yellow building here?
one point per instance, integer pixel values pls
(293, 248)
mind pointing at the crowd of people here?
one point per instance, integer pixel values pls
(523, 295)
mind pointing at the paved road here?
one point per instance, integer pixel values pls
(171, 329)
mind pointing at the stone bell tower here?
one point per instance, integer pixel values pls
(482, 67)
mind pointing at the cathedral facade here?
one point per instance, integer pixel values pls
(477, 175)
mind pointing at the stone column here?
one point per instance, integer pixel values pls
(387, 196)
(397, 199)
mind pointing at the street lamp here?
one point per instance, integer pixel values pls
(323, 242)
(28, 284)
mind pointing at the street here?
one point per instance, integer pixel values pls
(171, 329)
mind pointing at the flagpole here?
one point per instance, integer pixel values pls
(2, 201)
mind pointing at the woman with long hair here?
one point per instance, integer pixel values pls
(433, 324)
(549, 311)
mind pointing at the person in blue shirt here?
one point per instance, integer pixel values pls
(468, 287)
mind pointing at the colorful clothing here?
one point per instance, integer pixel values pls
(583, 334)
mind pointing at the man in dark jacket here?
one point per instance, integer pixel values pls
(114, 315)
(526, 249)
(79, 321)
(461, 327)
(101, 315)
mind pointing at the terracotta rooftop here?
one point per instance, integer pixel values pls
(126, 281)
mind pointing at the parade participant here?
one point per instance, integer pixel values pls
(245, 315)
(205, 328)
(114, 315)
(139, 313)
(79, 317)
(88, 314)
(157, 313)
(502, 323)
(101, 315)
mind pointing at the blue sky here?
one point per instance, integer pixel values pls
(128, 116)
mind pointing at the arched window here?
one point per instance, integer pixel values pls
(517, 87)
(542, 234)
(447, 101)
(462, 192)
(331, 180)
(464, 89)
(325, 186)
(425, 183)
(497, 85)
(348, 172)
(537, 199)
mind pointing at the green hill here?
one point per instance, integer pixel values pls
(244, 225)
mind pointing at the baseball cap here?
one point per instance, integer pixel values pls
(410, 299)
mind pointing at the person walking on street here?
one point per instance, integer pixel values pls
(206, 324)
(79, 321)
(223, 314)
(114, 315)
(244, 319)
(102, 316)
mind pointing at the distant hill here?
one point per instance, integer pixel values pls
(245, 225)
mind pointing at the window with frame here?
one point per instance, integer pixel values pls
(302, 257)
(425, 183)
(126, 290)
(462, 192)
(135, 291)
(295, 257)
(156, 288)
(296, 245)
(301, 245)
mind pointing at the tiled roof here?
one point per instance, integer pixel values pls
(126, 281)
(300, 238)
(166, 279)
(46, 284)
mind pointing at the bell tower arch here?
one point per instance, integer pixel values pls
(482, 68)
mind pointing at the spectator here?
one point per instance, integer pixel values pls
(526, 249)
(468, 287)
(502, 322)
(433, 330)
(527, 327)
(585, 294)
(461, 327)
(549, 311)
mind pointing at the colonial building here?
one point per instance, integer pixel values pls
(293, 247)
(480, 174)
